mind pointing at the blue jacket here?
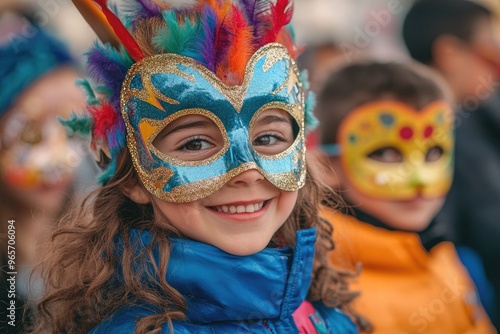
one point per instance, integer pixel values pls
(237, 294)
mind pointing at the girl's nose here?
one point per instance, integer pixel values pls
(246, 178)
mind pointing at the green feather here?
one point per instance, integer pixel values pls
(104, 91)
(77, 124)
(177, 38)
(310, 120)
(84, 84)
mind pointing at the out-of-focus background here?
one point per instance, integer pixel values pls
(359, 27)
(332, 32)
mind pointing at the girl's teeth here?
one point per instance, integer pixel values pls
(240, 208)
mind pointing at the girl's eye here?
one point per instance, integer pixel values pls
(267, 139)
(196, 144)
(189, 138)
(434, 154)
(272, 132)
(387, 154)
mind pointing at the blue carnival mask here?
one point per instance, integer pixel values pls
(160, 89)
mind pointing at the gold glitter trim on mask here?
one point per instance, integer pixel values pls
(300, 158)
(158, 178)
(168, 64)
(235, 95)
(146, 69)
(292, 80)
(204, 188)
(160, 125)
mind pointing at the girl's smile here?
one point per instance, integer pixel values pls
(241, 210)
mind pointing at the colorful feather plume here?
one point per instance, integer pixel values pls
(176, 4)
(279, 16)
(221, 35)
(206, 41)
(177, 37)
(240, 47)
(123, 34)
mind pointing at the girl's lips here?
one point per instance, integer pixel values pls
(241, 210)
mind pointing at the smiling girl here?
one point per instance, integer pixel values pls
(208, 218)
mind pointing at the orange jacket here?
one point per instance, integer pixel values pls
(405, 288)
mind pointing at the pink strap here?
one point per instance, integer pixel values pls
(303, 320)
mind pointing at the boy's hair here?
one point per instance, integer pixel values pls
(429, 19)
(362, 82)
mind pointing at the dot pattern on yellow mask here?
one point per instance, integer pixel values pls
(413, 133)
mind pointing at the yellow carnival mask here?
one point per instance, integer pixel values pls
(389, 150)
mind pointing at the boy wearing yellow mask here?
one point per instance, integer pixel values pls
(388, 132)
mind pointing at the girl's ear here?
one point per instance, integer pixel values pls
(135, 192)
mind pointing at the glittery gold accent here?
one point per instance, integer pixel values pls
(299, 159)
(156, 180)
(160, 125)
(167, 63)
(201, 189)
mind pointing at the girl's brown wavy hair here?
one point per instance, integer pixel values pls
(80, 268)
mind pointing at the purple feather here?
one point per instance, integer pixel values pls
(206, 43)
(255, 11)
(150, 7)
(249, 7)
(109, 68)
(223, 41)
(138, 10)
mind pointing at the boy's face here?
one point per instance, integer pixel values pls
(408, 215)
(396, 162)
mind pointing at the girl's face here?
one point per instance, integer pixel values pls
(241, 217)
(37, 161)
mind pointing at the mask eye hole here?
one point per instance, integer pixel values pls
(434, 153)
(273, 131)
(388, 154)
(190, 138)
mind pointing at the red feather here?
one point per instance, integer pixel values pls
(280, 15)
(240, 46)
(123, 34)
(105, 119)
(285, 39)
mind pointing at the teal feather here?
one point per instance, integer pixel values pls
(84, 84)
(77, 124)
(310, 120)
(103, 90)
(177, 38)
(304, 79)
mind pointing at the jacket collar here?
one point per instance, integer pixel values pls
(219, 286)
(432, 235)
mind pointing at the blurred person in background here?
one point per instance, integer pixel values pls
(319, 59)
(387, 129)
(37, 160)
(457, 38)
